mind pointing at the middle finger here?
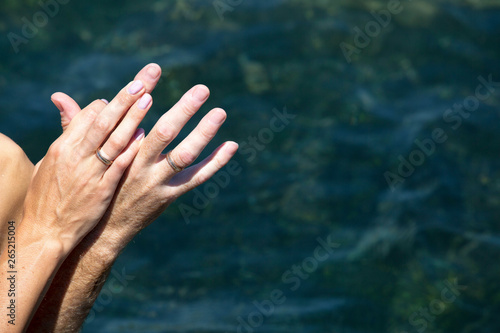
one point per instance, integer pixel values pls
(191, 147)
(107, 120)
(120, 137)
(171, 123)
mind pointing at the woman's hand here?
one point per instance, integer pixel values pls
(72, 188)
(68, 195)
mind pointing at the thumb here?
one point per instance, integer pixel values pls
(67, 107)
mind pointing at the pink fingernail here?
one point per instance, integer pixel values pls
(139, 134)
(144, 101)
(135, 87)
(105, 101)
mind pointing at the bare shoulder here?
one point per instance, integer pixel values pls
(15, 166)
(15, 175)
(11, 155)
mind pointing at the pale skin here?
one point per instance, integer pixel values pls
(148, 187)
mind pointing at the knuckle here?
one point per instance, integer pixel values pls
(56, 149)
(205, 134)
(91, 113)
(102, 124)
(218, 164)
(97, 105)
(186, 107)
(93, 109)
(135, 115)
(125, 99)
(165, 132)
(115, 144)
(185, 158)
(202, 177)
(121, 163)
(185, 188)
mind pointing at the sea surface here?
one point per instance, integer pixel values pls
(366, 193)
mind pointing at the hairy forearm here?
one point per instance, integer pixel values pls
(27, 268)
(79, 281)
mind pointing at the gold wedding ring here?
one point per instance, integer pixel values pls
(172, 163)
(103, 159)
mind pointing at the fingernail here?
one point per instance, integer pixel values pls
(218, 117)
(153, 71)
(200, 94)
(135, 87)
(105, 101)
(144, 101)
(231, 147)
(139, 134)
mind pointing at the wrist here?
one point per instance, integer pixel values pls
(30, 235)
(52, 242)
(105, 243)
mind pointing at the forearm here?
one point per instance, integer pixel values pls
(27, 267)
(79, 281)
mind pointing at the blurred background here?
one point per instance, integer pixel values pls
(390, 152)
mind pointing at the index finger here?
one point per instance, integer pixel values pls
(171, 123)
(149, 75)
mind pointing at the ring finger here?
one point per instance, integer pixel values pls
(191, 147)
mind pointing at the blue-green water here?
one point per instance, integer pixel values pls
(409, 94)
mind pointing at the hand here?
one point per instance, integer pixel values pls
(153, 181)
(150, 184)
(72, 188)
